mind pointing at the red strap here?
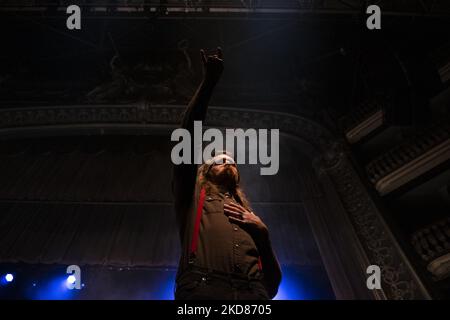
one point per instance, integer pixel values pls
(259, 264)
(201, 200)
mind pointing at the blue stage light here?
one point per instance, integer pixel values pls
(9, 277)
(291, 287)
(71, 279)
(53, 288)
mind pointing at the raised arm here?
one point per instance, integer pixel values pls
(196, 110)
(184, 175)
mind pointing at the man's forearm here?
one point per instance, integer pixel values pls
(198, 106)
(184, 174)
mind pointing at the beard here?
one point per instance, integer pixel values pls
(227, 177)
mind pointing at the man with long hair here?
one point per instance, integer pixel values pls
(226, 249)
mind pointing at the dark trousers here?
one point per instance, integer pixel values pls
(210, 285)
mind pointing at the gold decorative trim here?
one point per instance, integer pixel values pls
(440, 267)
(414, 168)
(375, 121)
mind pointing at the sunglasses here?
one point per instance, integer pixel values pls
(221, 160)
(224, 160)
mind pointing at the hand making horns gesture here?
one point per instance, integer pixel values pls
(212, 65)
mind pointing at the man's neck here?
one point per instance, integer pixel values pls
(223, 189)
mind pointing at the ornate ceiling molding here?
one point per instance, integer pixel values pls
(67, 117)
(399, 280)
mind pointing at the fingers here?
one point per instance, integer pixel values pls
(236, 206)
(233, 209)
(231, 205)
(238, 221)
(234, 213)
(203, 56)
(219, 53)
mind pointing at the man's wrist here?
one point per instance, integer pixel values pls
(210, 80)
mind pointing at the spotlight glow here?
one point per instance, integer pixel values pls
(9, 277)
(71, 279)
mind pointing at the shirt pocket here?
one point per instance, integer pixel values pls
(213, 204)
